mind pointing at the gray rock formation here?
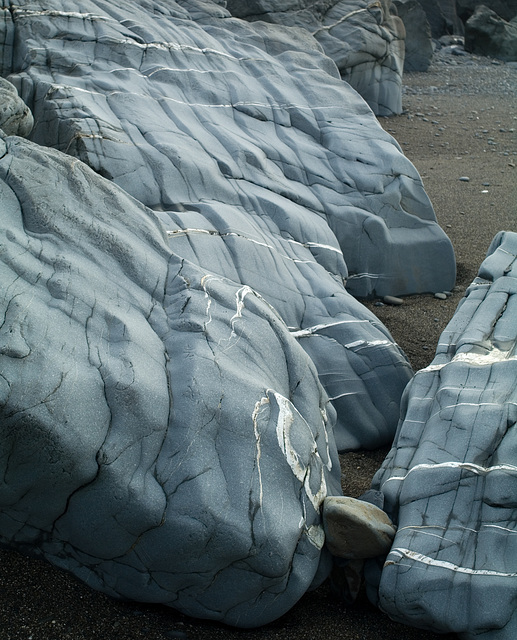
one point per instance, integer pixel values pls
(154, 389)
(150, 409)
(418, 42)
(442, 17)
(258, 160)
(364, 38)
(450, 479)
(487, 34)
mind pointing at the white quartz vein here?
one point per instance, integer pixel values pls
(470, 467)
(399, 552)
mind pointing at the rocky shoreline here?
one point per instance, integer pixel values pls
(459, 121)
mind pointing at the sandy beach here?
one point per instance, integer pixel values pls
(459, 121)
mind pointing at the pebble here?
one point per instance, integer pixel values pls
(464, 179)
(392, 300)
(440, 296)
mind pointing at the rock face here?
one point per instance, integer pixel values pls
(419, 46)
(246, 117)
(15, 117)
(506, 9)
(172, 310)
(150, 409)
(449, 481)
(365, 39)
(487, 34)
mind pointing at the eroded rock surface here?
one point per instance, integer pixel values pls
(364, 38)
(150, 409)
(183, 104)
(450, 479)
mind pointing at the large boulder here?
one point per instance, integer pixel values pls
(216, 110)
(487, 34)
(450, 480)
(365, 39)
(419, 47)
(164, 436)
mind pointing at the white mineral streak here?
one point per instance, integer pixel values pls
(474, 359)
(254, 418)
(204, 282)
(399, 553)
(301, 470)
(311, 331)
(475, 469)
(345, 17)
(21, 13)
(239, 303)
(172, 233)
(318, 245)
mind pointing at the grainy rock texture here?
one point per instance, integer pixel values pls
(15, 117)
(263, 166)
(364, 38)
(450, 479)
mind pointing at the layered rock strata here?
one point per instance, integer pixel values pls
(364, 38)
(449, 482)
(263, 166)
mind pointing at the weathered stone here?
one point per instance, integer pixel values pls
(365, 39)
(354, 529)
(15, 117)
(450, 480)
(418, 42)
(442, 17)
(488, 34)
(164, 437)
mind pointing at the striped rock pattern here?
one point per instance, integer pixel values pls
(450, 480)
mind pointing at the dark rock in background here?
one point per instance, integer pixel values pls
(487, 34)
(419, 46)
(506, 9)
(450, 479)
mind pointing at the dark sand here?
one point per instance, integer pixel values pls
(467, 127)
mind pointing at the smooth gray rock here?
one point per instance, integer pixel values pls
(164, 437)
(15, 117)
(419, 47)
(450, 480)
(365, 39)
(487, 34)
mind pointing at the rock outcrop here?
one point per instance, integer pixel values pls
(449, 481)
(364, 38)
(245, 117)
(487, 34)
